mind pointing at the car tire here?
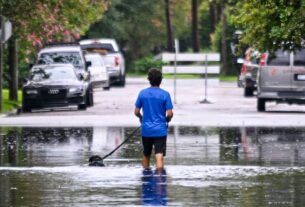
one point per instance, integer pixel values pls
(89, 97)
(26, 109)
(261, 104)
(122, 80)
(248, 91)
(107, 88)
(82, 106)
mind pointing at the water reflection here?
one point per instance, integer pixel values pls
(186, 146)
(230, 166)
(154, 187)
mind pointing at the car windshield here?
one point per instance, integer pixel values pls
(95, 60)
(53, 74)
(61, 57)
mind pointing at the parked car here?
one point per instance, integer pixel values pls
(281, 78)
(55, 85)
(113, 58)
(98, 71)
(64, 53)
(248, 73)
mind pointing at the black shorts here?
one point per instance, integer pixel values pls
(159, 144)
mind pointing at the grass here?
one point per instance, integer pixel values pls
(10, 105)
(188, 76)
(183, 76)
(227, 78)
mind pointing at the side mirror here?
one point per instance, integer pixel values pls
(124, 51)
(24, 80)
(88, 64)
(81, 76)
(31, 65)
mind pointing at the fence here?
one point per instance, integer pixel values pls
(197, 68)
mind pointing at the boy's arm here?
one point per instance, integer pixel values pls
(138, 114)
(169, 115)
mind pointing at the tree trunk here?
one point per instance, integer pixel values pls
(1, 63)
(170, 41)
(195, 26)
(13, 69)
(224, 51)
(212, 16)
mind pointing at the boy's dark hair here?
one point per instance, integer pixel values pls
(154, 77)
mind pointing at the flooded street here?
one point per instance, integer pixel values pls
(233, 166)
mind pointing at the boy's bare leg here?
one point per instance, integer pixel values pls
(145, 161)
(159, 161)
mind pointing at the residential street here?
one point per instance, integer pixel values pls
(115, 108)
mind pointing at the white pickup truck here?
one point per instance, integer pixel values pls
(113, 58)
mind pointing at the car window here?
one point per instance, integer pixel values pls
(299, 58)
(98, 48)
(61, 57)
(54, 74)
(279, 58)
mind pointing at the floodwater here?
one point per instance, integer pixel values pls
(233, 166)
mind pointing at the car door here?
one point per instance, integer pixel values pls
(276, 75)
(298, 72)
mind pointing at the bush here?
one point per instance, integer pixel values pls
(143, 65)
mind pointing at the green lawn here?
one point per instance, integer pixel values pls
(228, 78)
(188, 76)
(9, 105)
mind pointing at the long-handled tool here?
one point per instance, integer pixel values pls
(96, 160)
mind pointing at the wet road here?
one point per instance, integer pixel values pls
(219, 154)
(115, 108)
(205, 166)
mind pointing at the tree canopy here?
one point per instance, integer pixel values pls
(37, 22)
(269, 25)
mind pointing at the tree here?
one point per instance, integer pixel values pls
(224, 34)
(270, 25)
(169, 31)
(195, 26)
(38, 22)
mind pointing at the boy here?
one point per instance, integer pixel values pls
(157, 111)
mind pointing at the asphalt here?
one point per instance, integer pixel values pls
(115, 107)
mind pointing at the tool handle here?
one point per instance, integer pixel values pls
(130, 135)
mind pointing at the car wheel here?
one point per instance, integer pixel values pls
(26, 109)
(261, 104)
(82, 106)
(89, 97)
(122, 80)
(248, 91)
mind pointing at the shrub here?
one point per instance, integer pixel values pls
(143, 65)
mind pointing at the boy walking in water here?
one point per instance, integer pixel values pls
(157, 111)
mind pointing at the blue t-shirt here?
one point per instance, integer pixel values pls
(154, 102)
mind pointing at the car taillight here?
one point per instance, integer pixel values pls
(116, 61)
(263, 59)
